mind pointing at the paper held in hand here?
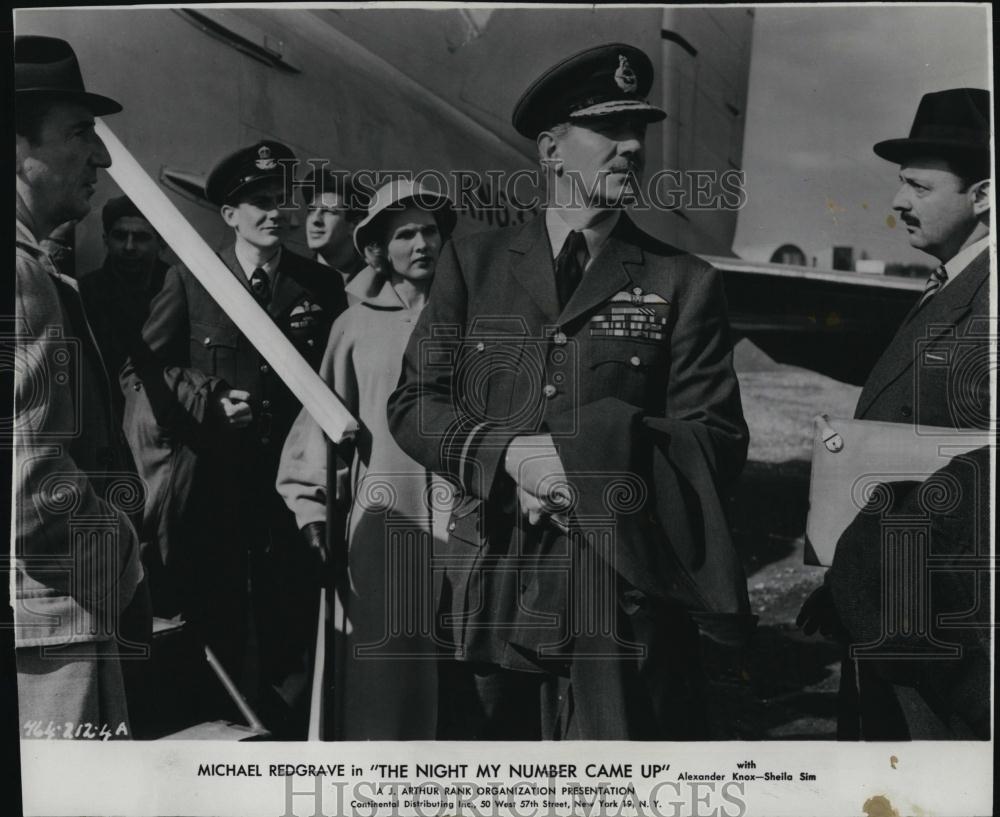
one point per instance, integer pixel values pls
(851, 457)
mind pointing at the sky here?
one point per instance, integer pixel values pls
(825, 85)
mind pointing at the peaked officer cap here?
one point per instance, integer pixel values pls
(238, 171)
(609, 80)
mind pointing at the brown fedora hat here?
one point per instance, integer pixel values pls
(956, 121)
(47, 67)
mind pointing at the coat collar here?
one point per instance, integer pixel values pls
(935, 318)
(286, 289)
(531, 266)
(614, 269)
(24, 230)
(386, 299)
(25, 226)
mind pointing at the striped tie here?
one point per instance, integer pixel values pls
(937, 279)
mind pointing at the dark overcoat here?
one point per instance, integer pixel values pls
(935, 372)
(634, 380)
(117, 309)
(212, 498)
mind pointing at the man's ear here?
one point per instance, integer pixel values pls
(228, 214)
(548, 151)
(980, 193)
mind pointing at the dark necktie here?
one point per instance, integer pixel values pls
(570, 262)
(260, 286)
(937, 279)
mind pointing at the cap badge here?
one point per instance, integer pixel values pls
(625, 76)
(265, 162)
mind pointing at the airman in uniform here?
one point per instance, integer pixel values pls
(210, 416)
(573, 376)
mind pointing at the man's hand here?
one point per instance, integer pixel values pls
(314, 535)
(533, 462)
(235, 408)
(819, 613)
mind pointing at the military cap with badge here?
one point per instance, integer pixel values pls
(607, 80)
(238, 172)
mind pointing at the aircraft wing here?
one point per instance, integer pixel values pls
(834, 322)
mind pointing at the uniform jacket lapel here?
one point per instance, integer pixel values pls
(933, 319)
(608, 274)
(532, 267)
(228, 256)
(287, 288)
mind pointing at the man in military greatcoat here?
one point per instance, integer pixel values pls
(573, 377)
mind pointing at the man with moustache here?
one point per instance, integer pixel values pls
(935, 373)
(573, 377)
(221, 414)
(79, 600)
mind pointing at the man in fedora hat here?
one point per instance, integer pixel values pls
(78, 583)
(209, 419)
(573, 376)
(935, 372)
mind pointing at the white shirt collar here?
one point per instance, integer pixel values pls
(956, 265)
(247, 263)
(595, 235)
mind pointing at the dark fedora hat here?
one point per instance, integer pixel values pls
(607, 80)
(47, 67)
(952, 122)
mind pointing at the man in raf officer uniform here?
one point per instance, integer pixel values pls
(574, 376)
(222, 414)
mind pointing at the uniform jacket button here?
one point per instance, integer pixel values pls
(634, 360)
(559, 339)
(264, 368)
(451, 526)
(207, 341)
(906, 411)
(549, 391)
(265, 404)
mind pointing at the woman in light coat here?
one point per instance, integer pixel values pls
(384, 676)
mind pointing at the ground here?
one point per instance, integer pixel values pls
(783, 686)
